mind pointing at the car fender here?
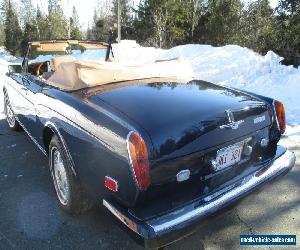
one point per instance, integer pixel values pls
(55, 131)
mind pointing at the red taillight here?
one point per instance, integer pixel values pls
(280, 113)
(138, 155)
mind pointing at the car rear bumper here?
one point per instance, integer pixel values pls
(172, 226)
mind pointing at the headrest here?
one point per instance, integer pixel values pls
(56, 61)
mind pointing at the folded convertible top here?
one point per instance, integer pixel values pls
(79, 74)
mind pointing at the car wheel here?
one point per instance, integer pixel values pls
(10, 116)
(68, 191)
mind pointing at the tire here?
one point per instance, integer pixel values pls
(69, 193)
(10, 116)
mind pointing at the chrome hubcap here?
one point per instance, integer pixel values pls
(59, 174)
(10, 117)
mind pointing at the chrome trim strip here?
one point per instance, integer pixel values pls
(31, 137)
(129, 157)
(286, 161)
(129, 223)
(275, 114)
(55, 130)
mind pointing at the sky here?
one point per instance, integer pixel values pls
(86, 8)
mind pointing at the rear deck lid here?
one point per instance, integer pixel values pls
(183, 118)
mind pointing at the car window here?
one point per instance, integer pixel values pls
(79, 53)
(41, 54)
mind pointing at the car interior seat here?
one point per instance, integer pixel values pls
(54, 64)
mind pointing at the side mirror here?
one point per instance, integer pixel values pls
(12, 69)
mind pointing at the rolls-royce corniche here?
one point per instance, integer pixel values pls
(158, 149)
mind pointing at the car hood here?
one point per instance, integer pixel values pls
(182, 118)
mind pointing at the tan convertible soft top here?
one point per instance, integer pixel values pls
(78, 74)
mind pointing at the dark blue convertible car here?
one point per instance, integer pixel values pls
(160, 151)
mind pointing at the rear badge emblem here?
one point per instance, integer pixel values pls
(259, 119)
(232, 124)
(183, 175)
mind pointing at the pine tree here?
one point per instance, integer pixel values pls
(195, 9)
(89, 33)
(75, 25)
(223, 21)
(56, 20)
(125, 11)
(12, 30)
(258, 26)
(290, 6)
(151, 23)
(54, 6)
(102, 23)
(27, 12)
(2, 33)
(42, 24)
(29, 23)
(167, 23)
(288, 30)
(126, 18)
(30, 34)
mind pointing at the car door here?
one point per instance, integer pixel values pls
(25, 99)
(30, 91)
(17, 94)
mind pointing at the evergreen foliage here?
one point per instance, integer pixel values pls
(126, 19)
(75, 26)
(2, 33)
(287, 23)
(12, 29)
(57, 22)
(161, 23)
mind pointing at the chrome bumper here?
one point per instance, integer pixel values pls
(285, 162)
(181, 219)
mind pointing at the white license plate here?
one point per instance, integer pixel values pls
(229, 156)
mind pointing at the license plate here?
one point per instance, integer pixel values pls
(229, 156)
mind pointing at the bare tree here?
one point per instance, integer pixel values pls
(195, 6)
(160, 19)
(103, 8)
(27, 12)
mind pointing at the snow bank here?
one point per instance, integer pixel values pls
(235, 66)
(5, 60)
(242, 68)
(131, 52)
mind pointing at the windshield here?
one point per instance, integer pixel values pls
(41, 52)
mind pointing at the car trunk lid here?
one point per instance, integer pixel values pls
(186, 119)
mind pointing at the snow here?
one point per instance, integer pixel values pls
(5, 59)
(230, 65)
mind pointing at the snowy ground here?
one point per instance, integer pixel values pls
(230, 65)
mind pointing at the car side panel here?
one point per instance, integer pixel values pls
(17, 97)
(32, 95)
(95, 141)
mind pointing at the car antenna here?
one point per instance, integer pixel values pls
(109, 48)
